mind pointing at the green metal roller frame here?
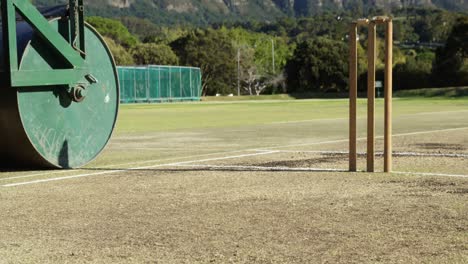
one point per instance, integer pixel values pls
(73, 52)
(59, 87)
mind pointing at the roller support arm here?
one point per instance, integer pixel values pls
(72, 50)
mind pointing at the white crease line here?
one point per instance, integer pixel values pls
(331, 119)
(34, 175)
(138, 168)
(261, 168)
(364, 138)
(61, 178)
(124, 164)
(395, 154)
(432, 174)
(428, 132)
(255, 149)
(212, 159)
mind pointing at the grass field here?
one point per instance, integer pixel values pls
(250, 182)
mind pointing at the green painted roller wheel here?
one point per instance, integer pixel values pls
(53, 126)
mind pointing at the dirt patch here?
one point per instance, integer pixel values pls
(463, 191)
(235, 217)
(440, 146)
(429, 187)
(309, 162)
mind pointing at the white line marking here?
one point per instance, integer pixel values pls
(139, 168)
(427, 132)
(205, 160)
(331, 119)
(396, 154)
(125, 164)
(364, 138)
(245, 150)
(432, 174)
(261, 168)
(346, 140)
(61, 178)
(35, 175)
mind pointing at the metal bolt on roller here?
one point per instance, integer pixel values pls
(59, 87)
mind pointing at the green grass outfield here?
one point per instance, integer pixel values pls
(446, 92)
(162, 117)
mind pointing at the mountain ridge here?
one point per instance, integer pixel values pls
(214, 11)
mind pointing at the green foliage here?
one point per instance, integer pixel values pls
(451, 63)
(151, 53)
(415, 73)
(452, 92)
(166, 35)
(113, 29)
(318, 65)
(140, 27)
(212, 51)
(121, 55)
(262, 46)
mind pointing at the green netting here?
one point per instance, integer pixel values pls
(159, 84)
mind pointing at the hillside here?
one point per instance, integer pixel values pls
(212, 11)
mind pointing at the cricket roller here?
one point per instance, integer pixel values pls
(59, 87)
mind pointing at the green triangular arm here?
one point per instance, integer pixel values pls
(73, 55)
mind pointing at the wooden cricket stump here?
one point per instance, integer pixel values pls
(371, 62)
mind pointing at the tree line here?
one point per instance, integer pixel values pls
(296, 55)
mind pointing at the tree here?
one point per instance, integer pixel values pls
(451, 63)
(140, 27)
(262, 46)
(121, 55)
(253, 82)
(318, 65)
(414, 73)
(113, 29)
(151, 53)
(212, 51)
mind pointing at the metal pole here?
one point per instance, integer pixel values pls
(191, 88)
(134, 86)
(180, 84)
(238, 71)
(388, 96)
(273, 54)
(148, 98)
(353, 98)
(371, 97)
(159, 83)
(170, 83)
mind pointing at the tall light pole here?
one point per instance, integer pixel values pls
(273, 54)
(238, 71)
